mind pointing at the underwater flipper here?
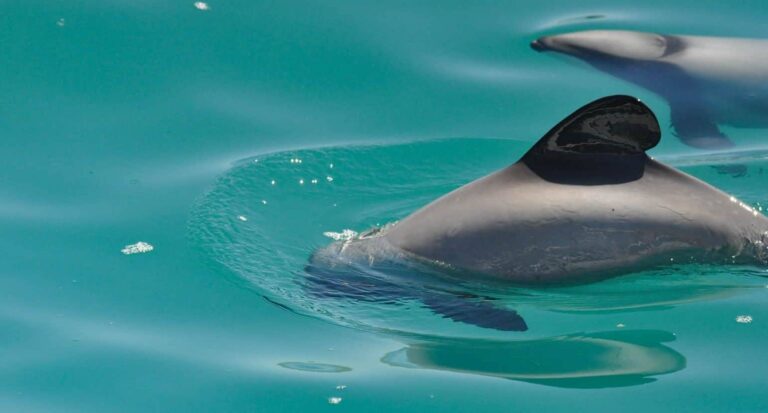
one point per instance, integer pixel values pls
(694, 126)
(479, 313)
(348, 282)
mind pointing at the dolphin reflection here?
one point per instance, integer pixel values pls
(592, 360)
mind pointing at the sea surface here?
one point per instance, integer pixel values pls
(169, 167)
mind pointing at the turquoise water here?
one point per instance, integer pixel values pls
(127, 121)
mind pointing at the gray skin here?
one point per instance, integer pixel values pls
(707, 81)
(584, 203)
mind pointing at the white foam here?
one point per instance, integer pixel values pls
(744, 319)
(344, 235)
(137, 248)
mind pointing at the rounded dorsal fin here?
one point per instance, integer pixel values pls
(611, 125)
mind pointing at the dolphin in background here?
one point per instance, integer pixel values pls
(707, 81)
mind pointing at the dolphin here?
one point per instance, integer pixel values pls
(707, 81)
(583, 204)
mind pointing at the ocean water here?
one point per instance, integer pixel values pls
(231, 136)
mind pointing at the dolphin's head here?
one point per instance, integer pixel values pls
(617, 44)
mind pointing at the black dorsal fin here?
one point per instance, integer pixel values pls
(611, 125)
(602, 143)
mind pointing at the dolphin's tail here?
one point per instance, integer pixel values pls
(473, 311)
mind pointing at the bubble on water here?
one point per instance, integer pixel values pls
(273, 182)
(744, 319)
(201, 5)
(242, 218)
(314, 181)
(341, 387)
(301, 182)
(137, 248)
(329, 178)
(620, 325)
(264, 202)
(334, 400)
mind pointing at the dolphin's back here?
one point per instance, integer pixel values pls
(738, 60)
(583, 202)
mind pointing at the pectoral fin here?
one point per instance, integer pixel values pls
(476, 312)
(694, 126)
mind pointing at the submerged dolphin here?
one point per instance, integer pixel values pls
(706, 80)
(584, 203)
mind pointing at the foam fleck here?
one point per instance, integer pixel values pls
(744, 319)
(137, 248)
(344, 235)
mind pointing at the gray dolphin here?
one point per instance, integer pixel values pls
(706, 80)
(584, 203)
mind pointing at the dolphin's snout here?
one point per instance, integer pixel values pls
(539, 44)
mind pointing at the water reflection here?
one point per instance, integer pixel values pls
(595, 360)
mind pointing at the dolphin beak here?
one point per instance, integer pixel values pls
(540, 44)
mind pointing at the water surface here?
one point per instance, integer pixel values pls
(129, 121)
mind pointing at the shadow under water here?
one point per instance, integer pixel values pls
(594, 360)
